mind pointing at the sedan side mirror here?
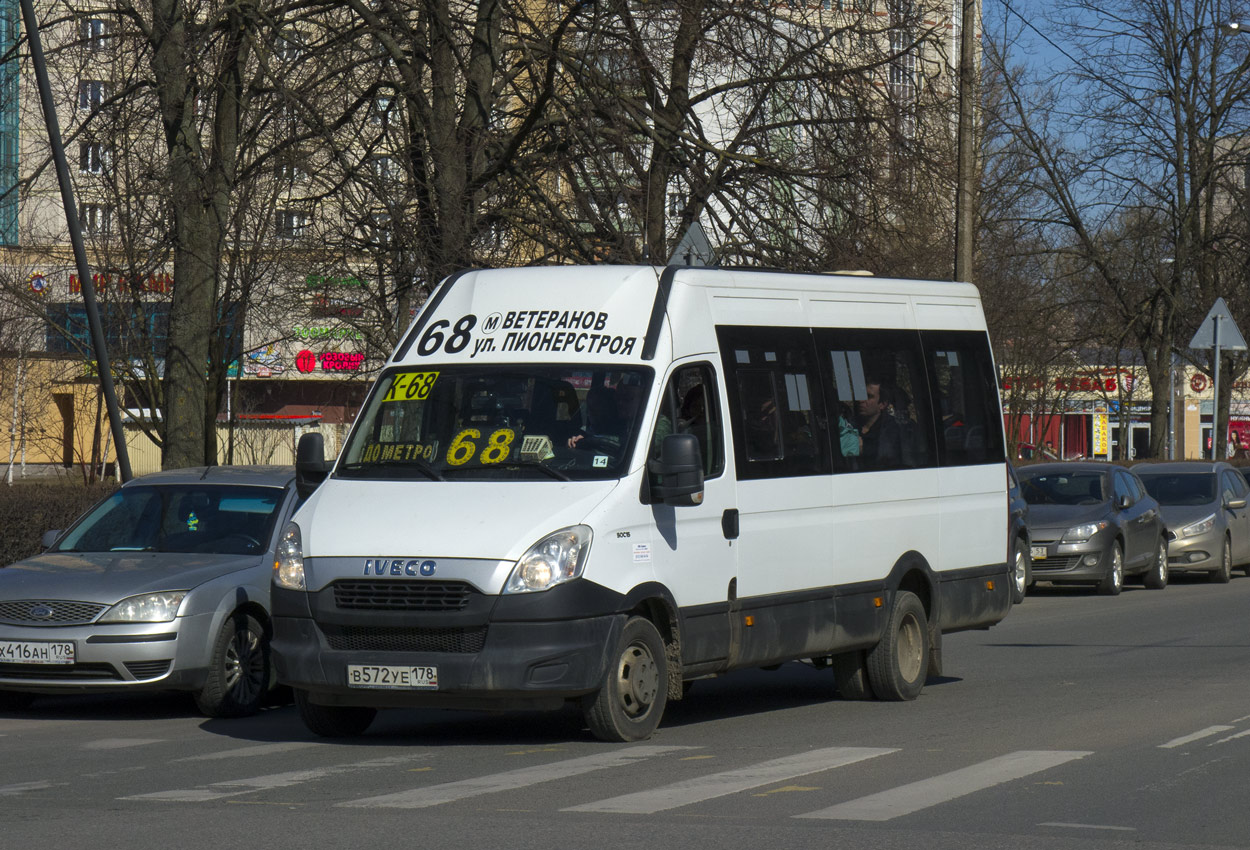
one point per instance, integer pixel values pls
(1235, 504)
(48, 538)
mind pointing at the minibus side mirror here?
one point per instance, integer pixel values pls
(677, 477)
(310, 463)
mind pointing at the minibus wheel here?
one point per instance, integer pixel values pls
(850, 675)
(630, 702)
(333, 721)
(897, 666)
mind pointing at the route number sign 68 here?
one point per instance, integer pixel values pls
(411, 386)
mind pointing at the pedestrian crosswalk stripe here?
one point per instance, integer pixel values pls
(238, 787)
(915, 796)
(732, 781)
(257, 750)
(434, 795)
(1196, 736)
(23, 787)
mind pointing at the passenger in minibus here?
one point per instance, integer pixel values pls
(882, 441)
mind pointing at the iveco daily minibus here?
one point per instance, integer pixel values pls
(600, 483)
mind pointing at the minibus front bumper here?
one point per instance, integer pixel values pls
(492, 664)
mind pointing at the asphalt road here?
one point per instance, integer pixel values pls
(1079, 722)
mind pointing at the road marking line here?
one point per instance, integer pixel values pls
(23, 787)
(238, 787)
(1091, 826)
(1196, 736)
(915, 796)
(731, 781)
(434, 795)
(1240, 734)
(120, 743)
(258, 750)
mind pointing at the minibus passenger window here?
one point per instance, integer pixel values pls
(962, 375)
(879, 400)
(761, 415)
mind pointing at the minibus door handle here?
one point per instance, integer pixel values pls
(729, 523)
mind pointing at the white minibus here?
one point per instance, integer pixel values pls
(601, 483)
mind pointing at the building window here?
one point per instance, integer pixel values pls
(378, 230)
(95, 35)
(91, 94)
(385, 169)
(292, 224)
(381, 114)
(93, 158)
(95, 219)
(289, 46)
(287, 170)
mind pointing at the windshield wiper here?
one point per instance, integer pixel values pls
(415, 463)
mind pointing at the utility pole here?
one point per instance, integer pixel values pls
(966, 178)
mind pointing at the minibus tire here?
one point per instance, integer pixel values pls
(898, 664)
(333, 721)
(850, 676)
(630, 702)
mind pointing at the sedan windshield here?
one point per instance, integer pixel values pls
(455, 423)
(1193, 489)
(1063, 488)
(204, 519)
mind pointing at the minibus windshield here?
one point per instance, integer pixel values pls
(514, 422)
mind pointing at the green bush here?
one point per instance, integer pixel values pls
(30, 508)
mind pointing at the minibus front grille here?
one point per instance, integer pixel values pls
(384, 595)
(400, 639)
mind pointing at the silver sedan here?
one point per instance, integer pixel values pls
(162, 585)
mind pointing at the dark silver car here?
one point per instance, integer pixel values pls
(1204, 506)
(1093, 523)
(162, 585)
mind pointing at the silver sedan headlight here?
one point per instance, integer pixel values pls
(557, 558)
(1202, 526)
(147, 608)
(1082, 533)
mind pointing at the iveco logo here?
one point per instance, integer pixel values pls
(397, 567)
(41, 611)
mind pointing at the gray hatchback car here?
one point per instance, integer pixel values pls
(1204, 505)
(164, 584)
(1093, 523)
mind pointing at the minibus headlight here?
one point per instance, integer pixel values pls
(557, 558)
(288, 564)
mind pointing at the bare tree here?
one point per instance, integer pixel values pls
(1125, 166)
